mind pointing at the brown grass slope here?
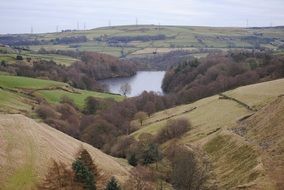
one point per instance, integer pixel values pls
(238, 161)
(265, 130)
(27, 149)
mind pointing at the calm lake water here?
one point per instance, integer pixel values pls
(143, 80)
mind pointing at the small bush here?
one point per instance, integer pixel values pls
(141, 178)
(113, 185)
(140, 116)
(174, 129)
(132, 160)
(19, 57)
(92, 105)
(45, 112)
(67, 100)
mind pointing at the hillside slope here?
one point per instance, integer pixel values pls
(265, 130)
(140, 40)
(21, 93)
(27, 148)
(242, 135)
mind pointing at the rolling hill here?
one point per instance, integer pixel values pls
(27, 149)
(240, 131)
(20, 93)
(129, 41)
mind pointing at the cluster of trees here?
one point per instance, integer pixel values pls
(70, 40)
(101, 122)
(186, 170)
(22, 40)
(84, 175)
(82, 74)
(146, 149)
(127, 39)
(103, 66)
(196, 79)
(97, 125)
(173, 129)
(115, 120)
(161, 61)
(257, 40)
(70, 53)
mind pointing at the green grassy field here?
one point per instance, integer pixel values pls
(13, 89)
(59, 59)
(54, 96)
(13, 82)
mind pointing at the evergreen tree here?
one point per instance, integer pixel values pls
(84, 175)
(113, 185)
(86, 158)
(132, 160)
(152, 154)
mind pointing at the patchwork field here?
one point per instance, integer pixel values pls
(190, 38)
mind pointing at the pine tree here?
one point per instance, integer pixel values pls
(83, 175)
(86, 158)
(132, 160)
(152, 154)
(113, 184)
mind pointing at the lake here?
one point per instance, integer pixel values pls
(143, 80)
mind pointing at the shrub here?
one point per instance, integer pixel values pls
(174, 129)
(151, 155)
(112, 184)
(132, 160)
(121, 146)
(67, 100)
(187, 172)
(141, 178)
(45, 112)
(19, 57)
(3, 63)
(92, 105)
(140, 116)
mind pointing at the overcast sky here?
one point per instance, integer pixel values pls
(18, 16)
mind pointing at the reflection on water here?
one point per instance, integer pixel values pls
(143, 80)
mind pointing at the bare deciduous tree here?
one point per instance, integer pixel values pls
(140, 179)
(59, 177)
(140, 116)
(174, 129)
(125, 89)
(188, 172)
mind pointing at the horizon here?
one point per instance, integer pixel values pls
(141, 25)
(19, 17)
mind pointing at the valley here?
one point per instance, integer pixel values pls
(155, 107)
